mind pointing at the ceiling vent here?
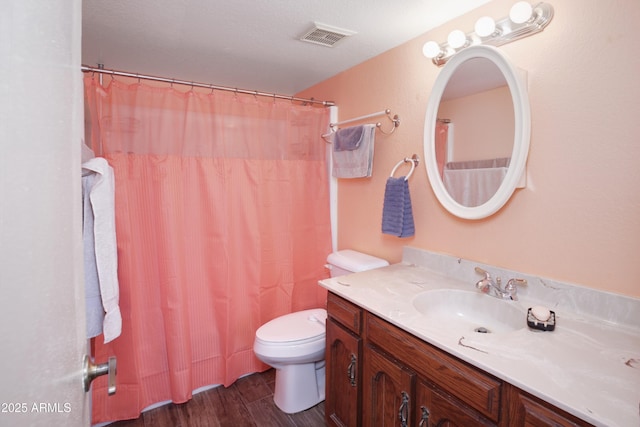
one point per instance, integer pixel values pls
(325, 35)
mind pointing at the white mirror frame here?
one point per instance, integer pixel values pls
(522, 134)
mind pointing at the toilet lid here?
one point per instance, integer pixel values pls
(298, 326)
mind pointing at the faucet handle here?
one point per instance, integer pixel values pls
(485, 272)
(514, 282)
(484, 285)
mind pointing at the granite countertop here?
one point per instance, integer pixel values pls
(589, 366)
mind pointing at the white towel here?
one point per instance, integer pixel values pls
(93, 299)
(473, 183)
(101, 256)
(358, 162)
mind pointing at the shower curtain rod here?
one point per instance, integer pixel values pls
(87, 69)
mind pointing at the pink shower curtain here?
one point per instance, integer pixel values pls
(222, 221)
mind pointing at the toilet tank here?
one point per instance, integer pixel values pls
(348, 261)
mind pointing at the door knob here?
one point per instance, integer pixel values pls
(90, 371)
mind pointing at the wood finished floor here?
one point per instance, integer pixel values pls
(248, 402)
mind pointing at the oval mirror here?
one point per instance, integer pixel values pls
(477, 131)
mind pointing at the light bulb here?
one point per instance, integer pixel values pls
(485, 26)
(431, 49)
(457, 39)
(520, 12)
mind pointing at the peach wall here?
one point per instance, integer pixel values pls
(578, 219)
(475, 118)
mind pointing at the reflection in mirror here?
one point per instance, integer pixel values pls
(475, 132)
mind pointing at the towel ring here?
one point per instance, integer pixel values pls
(415, 160)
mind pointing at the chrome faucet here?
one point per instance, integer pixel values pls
(511, 288)
(489, 287)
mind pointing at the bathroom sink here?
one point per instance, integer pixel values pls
(469, 311)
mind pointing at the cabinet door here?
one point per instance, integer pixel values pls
(343, 372)
(435, 408)
(387, 391)
(470, 385)
(528, 411)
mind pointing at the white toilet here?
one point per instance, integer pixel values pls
(294, 344)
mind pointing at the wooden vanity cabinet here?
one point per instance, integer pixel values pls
(343, 371)
(423, 383)
(439, 409)
(525, 410)
(343, 360)
(388, 388)
(381, 375)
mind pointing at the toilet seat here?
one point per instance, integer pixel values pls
(294, 338)
(295, 328)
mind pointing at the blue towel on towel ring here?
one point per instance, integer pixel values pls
(397, 214)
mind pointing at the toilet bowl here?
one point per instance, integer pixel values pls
(294, 344)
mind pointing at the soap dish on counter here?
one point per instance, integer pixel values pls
(534, 322)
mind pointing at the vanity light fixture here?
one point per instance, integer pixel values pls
(457, 39)
(523, 20)
(520, 12)
(485, 27)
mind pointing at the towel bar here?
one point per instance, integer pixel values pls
(395, 120)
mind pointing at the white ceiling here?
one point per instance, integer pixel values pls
(251, 44)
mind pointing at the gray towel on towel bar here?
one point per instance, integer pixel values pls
(348, 139)
(397, 214)
(357, 160)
